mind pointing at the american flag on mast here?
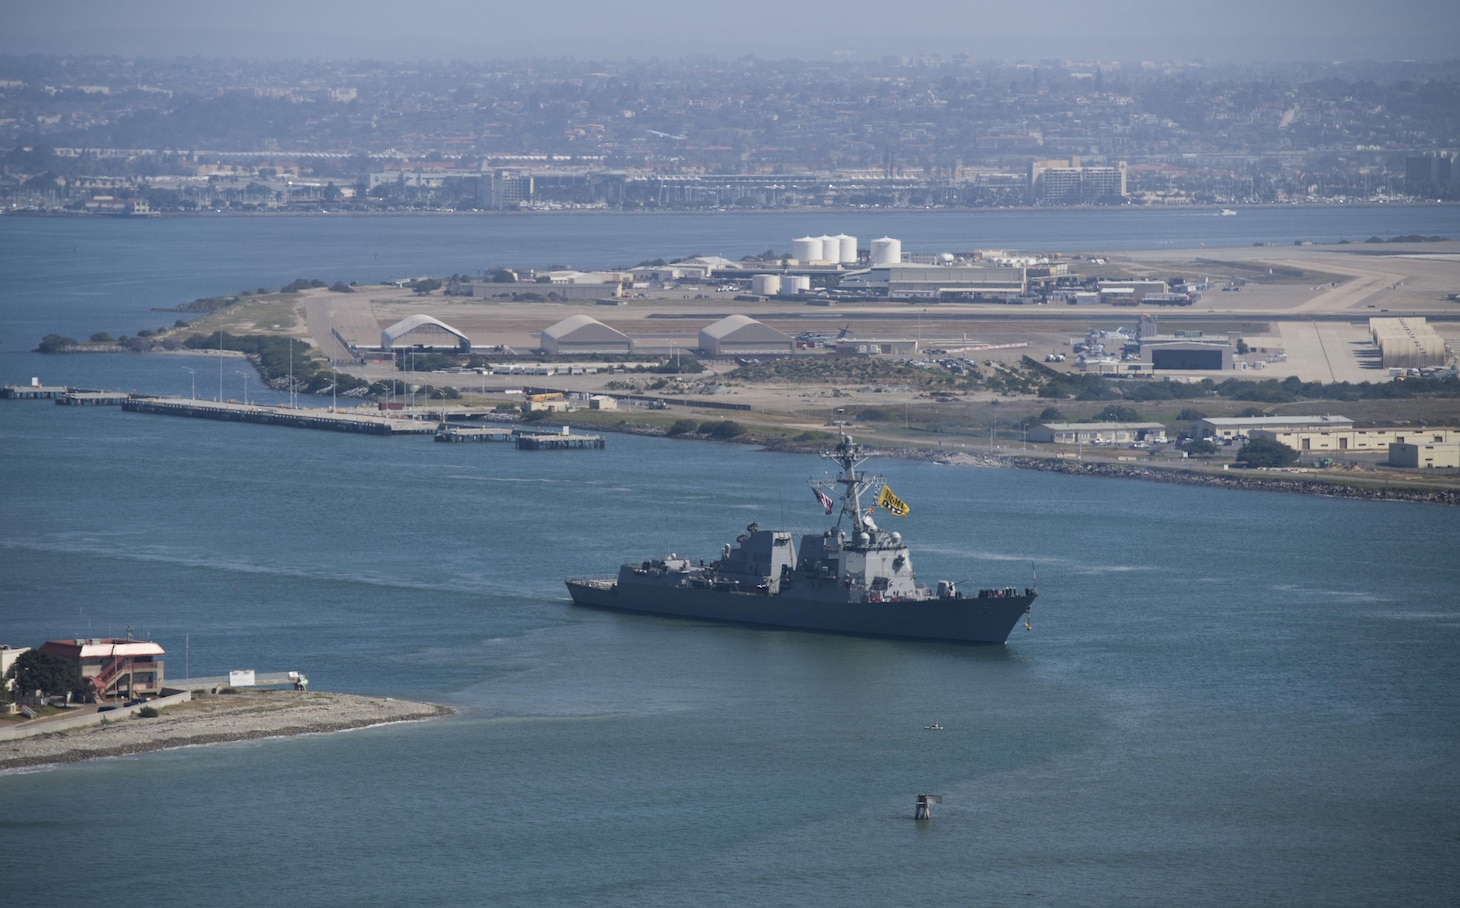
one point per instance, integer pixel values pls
(824, 498)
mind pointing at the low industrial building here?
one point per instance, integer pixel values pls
(851, 346)
(1097, 433)
(1188, 355)
(1135, 289)
(1351, 439)
(562, 289)
(741, 335)
(578, 334)
(1424, 455)
(547, 402)
(1116, 368)
(937, 282)
(1229, 427)
(114, 667)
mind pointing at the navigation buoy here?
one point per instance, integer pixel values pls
(920, 809)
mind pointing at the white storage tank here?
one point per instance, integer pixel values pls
(887, 251)
(831, 248)
(806, 249)
(798, 283)
(847, 252)
(765, 284)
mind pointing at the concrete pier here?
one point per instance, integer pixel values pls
(485, 433)
(230, 411)
(92, 398)
(531, 442)
(33, 392)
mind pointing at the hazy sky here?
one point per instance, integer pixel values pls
(1237, 30)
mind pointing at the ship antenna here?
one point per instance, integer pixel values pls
(1029, 609)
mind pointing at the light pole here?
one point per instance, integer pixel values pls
(194, 374)
(410, 386)
(245, 385)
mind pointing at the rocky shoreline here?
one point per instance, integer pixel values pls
(241, 716)
(1252, 481)
(1243, 480)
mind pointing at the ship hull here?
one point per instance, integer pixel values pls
(959, 620)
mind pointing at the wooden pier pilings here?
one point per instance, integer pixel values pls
(527, 442)
(458, 434)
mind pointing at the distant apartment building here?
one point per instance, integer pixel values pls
(511, 188)
(1070, 183)
(1430, 172)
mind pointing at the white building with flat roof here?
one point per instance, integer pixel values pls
(1096, 433)
(1232, 426)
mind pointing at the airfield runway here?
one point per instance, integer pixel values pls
(1311, 303)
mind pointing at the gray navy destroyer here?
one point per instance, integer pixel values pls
(855, 578)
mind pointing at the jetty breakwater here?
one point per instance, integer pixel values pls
(240, 715)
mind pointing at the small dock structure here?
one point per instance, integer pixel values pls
(560, 441)
(92, 398)
(34, 391)
(449, 433)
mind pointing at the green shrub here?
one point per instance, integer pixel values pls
(723, 430)
(147, 712)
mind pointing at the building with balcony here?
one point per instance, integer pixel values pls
(114, 667)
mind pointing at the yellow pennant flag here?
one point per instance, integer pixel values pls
(891, 503)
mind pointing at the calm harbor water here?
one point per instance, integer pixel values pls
(1227, 697)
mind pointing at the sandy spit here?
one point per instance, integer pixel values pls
(240, 716)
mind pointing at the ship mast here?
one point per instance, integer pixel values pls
(847, 456)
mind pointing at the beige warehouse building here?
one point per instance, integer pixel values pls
(1424, 455)
(1351, 439)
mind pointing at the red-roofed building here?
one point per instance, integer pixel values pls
(114, 667)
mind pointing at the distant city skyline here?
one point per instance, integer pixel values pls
(1233, 31)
